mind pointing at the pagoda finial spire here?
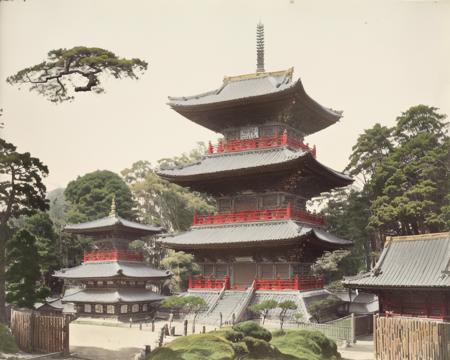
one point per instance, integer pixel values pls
(260, 47)
(113, 213)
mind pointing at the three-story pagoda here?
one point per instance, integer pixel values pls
(113, 281)
(261, 173)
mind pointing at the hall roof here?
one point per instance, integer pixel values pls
(109, 269)
(111, 296)
(260, 91)
(417, 261)
(250, 234)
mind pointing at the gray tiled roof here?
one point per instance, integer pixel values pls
(248, 233)
(110, 221)
(418, 262)
(107, 269)
(236, 161)
(251, 86)
(110, 296)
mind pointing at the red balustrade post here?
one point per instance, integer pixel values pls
(195, 217)
(284, 138)
(210, 148)
(289, 211)
(190, 282)
(296, 283)
(219, 147)
(227, 282)
(314, 151)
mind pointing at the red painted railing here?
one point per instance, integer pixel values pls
(208, 282)
(297, 283)
(260, 143)
(113, 255)
(259, 215)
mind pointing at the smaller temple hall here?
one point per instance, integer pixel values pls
(113, 281)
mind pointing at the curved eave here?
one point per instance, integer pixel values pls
(111, 224)
(324, 117)
(336, 178)
(255, 234)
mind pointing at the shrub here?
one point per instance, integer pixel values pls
(250, 328)
(7, 342)
(233, 336)
(240, 349)
(258, 348)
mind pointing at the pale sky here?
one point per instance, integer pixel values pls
(371, 59)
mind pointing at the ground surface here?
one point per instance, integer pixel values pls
(362, 350)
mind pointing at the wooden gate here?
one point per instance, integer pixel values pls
(40, 333)
(398, 338)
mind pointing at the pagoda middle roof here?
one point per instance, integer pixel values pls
(111, 296)
(251, 234)
(259, 160)
(255, 89)
(109, 269)
(110, 223)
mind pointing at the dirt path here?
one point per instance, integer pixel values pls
(362, 350)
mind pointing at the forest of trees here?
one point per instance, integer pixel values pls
(405, 190)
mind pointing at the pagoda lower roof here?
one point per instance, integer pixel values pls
(110, 224)
(111, 269)
(112, 296)
(222, 165)
(261, 233)
(263, 92)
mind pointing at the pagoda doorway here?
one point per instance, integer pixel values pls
(244, 274)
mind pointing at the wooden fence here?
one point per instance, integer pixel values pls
(398, 338)
(40, 333)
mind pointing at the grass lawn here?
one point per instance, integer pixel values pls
(7, 342)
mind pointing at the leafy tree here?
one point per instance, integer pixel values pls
(182, 266)
(78, 68)
(90, 196)
(162, 202)
(327, 264)
(23, 273)
(317, 308)
(263, 308)
(299, 318)
(190, 304)
(285, 306)
(22, 192)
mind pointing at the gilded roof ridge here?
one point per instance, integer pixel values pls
(430, 236)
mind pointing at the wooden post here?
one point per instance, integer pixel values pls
(353, 328)
(161, 337)
(153, 325)
(172, 331)
(148, 350)
(284, 138)
(289, 211)
(203, 329)
(166, 330)
(140, 326)
(185, 327)
(233, 319)
(296, 283)
(66, 322)
(210, 148)
(190, 282)
(221, 319)
(195, 217)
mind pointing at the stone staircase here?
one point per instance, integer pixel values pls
(227, 305)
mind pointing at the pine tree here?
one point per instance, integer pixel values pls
(23, 274)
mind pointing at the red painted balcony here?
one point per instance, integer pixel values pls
(113, 255)
(260, 143)
(259, 215)
(208, 282)
(298, 283)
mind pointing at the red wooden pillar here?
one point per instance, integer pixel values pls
(195, 217)
(314, 151)
(190, 282)
(219, 147)
(227, 282)
(284, 138)
(210, 148)
(289, 211)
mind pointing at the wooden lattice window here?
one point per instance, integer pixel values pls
(221, 270)
(224, 205)
(208, 269)
(145, 307)
(267, 271)
(87, 308)
(245, 203)
(110, 309)
(99, 308)
(123, 309)
(270, 201)
(135, 308)
(282, 271)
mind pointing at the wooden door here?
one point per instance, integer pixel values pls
(244, 274)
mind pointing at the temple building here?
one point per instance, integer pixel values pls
(113, 281)
(262, 240)
(411, 277)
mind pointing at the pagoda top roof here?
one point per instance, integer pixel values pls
(231, 164)
(270, 233)
(111, 223)
(417, 261)
(253, 89)
(110, 269)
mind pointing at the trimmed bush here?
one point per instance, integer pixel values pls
(258, 348)
(233, 336)
(7, 342)
(240, 349)
(250, 328)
